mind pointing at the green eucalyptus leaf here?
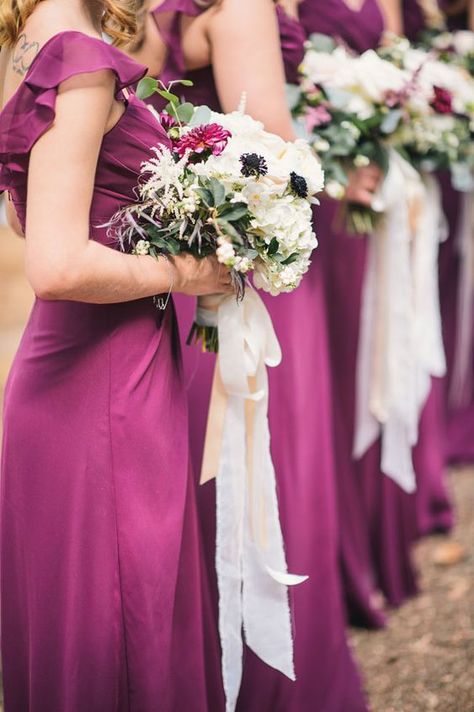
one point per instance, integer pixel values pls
(169, 96)
(184, 82)
(322, 43)
(273, 247)
(233, 211)
(202, 116)
(206, 196)
(146, 87)
(185, 112)
(289, 260)
(218, 191)
(228, 229)
(293, 95)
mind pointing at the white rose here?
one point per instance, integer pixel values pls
(361, 161)
(321, 145)
(464, 42)
(335, 190)
(141, 248)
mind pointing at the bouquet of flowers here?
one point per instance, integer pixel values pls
(225, 186)
(438, 134)
(348, 106)
(451, 47)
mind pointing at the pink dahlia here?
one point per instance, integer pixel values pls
(393, 98)
(443, 101)
(316, 116)
(212, 137)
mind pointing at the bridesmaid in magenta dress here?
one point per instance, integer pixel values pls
(460, 426)
(101, 591)
(300, 423)
(378, 520)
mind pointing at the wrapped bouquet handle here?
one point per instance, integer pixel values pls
(251, 565)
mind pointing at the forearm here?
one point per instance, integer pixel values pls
(392, 10)
(244, 35)
(99, 275)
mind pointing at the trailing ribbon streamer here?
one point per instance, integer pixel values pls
(462, 384)
(400, 341)
(250, 558)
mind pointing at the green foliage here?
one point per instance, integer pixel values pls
(146, 87)
(322, 43)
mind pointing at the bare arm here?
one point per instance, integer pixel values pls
(392, 11)
(61, 261)
(151, 52)
(246, 57)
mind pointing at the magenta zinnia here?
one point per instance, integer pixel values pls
(212, 137)
(167, 121)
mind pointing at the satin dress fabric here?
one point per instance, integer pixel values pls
(103, 600)
(379, 522)
(302, 450)
(460, 419)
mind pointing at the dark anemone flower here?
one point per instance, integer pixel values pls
(253, 165)
(299, 186)
(212, 138)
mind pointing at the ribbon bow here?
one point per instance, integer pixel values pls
(250, 558)
(400, 342)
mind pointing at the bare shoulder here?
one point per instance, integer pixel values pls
(46, 21)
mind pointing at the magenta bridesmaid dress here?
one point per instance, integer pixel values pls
(302, 448)
(378, 521)
(102, 598)
(460, 419)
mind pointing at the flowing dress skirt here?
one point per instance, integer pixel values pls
(102, 603)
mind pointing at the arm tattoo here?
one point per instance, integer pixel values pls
(24, 54)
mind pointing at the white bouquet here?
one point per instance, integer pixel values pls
(437, 133)
(224, 185)
(348, 106)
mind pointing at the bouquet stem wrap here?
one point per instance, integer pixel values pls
(400, 341)
(250, 558)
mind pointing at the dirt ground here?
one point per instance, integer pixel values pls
(425, 659)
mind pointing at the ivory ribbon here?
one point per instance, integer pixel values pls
(400, 341)
(250, 558)
(462, 383)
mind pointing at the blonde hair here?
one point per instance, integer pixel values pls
(118, 21)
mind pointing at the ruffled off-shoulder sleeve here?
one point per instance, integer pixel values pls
(31, 110)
